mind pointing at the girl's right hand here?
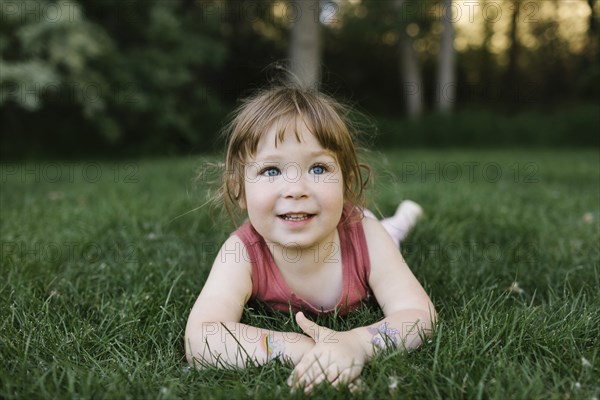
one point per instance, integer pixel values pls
(298, 349)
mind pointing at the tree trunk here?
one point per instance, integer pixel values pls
(512, 78)
(446, 79)
(592, 23)
(305, 54)
(593, 32)
(409, 68)
(486, 80)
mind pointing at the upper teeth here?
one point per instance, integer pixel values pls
(295, 216)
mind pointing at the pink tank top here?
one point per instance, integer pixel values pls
(269, 286)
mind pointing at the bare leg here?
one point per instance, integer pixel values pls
(400, 224)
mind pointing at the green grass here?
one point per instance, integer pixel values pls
(98, 276)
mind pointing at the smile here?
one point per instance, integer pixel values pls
(295, 217)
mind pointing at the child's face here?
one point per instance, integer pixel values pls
(294, 191)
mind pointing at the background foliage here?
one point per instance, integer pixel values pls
(158, 76)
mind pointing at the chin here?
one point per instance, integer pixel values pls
(296, 244)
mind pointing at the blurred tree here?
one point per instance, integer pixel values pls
(590, 79)
(593, 25)
(45, 52)
(305, 54)
(110, 73)
(157, 70)
(409, 66)
(487, 62)
(446, 82)
(159, 75)
(511, 72)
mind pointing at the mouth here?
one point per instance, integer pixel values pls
(296, 216)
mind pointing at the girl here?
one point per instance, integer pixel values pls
(291, 167)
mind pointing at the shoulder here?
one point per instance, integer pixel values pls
(381, 246)
(371, 225)
(232, 261)
(233, 254)
(376, 236)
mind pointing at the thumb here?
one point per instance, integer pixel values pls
(308, 326)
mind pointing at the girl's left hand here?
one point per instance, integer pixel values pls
(337, 357)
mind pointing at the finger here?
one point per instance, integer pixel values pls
(355, 386)
(310, 361)
(300, 369)
(329, 375)
(338, 380)
(299, 372)
(292, 379)
(315, 370)
(344, 378)
(307, 326)
(309, 387)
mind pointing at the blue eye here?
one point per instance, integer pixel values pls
(270, 171)
(318, 169)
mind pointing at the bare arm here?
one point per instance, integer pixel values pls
(409, 313)
(226, 344)
(214, 336)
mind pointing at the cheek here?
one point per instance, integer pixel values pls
(257, 196)
(332, 192)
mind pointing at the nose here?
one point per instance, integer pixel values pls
(295, 186)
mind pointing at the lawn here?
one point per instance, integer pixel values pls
(102, 261)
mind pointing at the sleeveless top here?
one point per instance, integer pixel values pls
(269, 286)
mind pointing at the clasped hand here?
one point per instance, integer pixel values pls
(336, 357)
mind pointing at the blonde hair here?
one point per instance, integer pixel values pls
(279, 106)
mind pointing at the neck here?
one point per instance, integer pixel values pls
(307, 260)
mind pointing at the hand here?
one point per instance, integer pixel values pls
(298, 349)
(337, 357)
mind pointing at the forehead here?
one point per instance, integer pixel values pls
(283, 133)
(288, 117)
(285, 140)
(290, 128)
